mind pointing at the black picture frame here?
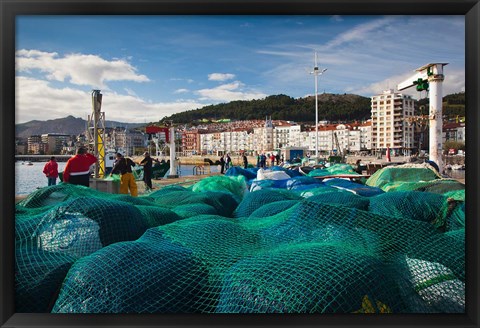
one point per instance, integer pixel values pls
(11, 8)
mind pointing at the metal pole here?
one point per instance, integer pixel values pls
(96, 114)
(435, 146)
(316, 72)
(173, 166)
(316, 110)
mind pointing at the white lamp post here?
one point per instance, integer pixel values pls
(316, 72)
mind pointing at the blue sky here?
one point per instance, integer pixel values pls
(149, 67)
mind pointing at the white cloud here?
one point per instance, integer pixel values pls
(229, 92)
(179, 79)
(38, 100)
(79, 69)
(454, 82)
(359, 32)
(336, 18)
(281, 53)
(220, 76)
(181, 91)
(130, 92)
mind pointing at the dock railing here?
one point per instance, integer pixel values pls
(202, 169)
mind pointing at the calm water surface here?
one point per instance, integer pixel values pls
(29, 178)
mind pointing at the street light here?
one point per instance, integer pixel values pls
(316, 72)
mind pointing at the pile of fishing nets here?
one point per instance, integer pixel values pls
(336, 169)
(293, 245)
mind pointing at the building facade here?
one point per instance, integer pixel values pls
(131, 142)
(391, 114)
(454, 132)
(55, 142)
(191, 143)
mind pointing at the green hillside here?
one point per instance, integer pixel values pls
(453, 106)
(346, 107)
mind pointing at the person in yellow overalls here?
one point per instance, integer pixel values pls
(123, 166)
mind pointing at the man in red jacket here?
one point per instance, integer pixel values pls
(77, 170)
(51, 171)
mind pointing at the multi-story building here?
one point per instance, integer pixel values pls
(264, 140)
(454, 132)
(21, 149)
(391, 112)
(55, 142)
(332, 138)
(191, 142)
(357, 137)
(365, 135)
(296, 138)
(284, 133)
(35, 145)
(130, 141)
(69, 148)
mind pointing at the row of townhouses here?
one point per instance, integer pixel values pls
(393, 125)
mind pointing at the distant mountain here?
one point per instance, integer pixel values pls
(68, 125)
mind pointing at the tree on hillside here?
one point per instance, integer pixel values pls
(282, 107)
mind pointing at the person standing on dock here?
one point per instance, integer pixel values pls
(222, 165)
(263, 161)
(51, 171)
(77, 169)
(147, 164)
(123, 166)
(272, 160)
(228, 162)
(245, 161)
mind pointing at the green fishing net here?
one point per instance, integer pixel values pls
(336, 169)
(392, 176)
(218, 248)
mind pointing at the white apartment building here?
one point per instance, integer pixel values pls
(281, 136)
(211, 143)
(351, 138)
(287, 134)
(390, 122)
(296, 137)
(234, 141)
(365, 136)
(264, 137)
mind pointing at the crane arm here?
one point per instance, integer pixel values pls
(411, 81)
(421, 76)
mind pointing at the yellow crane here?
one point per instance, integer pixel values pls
(96, 133)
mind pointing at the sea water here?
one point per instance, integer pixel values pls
(29, 178)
